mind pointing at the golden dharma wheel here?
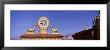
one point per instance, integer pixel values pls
(43, 22)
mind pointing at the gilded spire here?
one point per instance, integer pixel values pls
(85, 27)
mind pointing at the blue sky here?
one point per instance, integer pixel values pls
(66, 21)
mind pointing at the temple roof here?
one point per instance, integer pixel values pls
(41, 35)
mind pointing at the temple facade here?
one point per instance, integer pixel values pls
(43, 23)
(89, 34)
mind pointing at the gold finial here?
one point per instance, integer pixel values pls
(31, 30)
